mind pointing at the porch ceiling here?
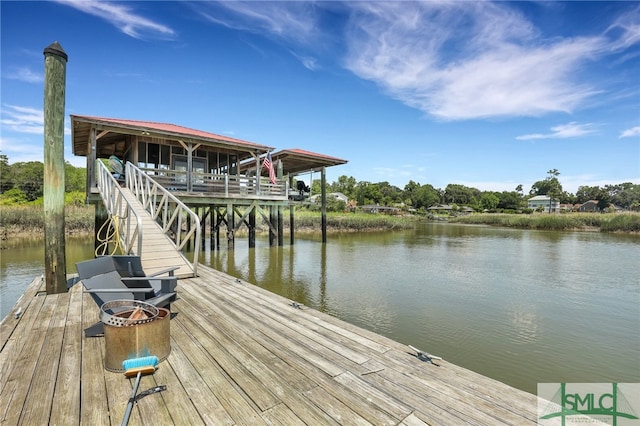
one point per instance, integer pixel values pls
(115, 134)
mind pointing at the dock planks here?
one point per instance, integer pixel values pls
(240, 356)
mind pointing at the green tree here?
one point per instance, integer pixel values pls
(549, 186)
(425, 196)
(460, 194)
(75, 178)
(624, 194)
(29, 178)
(509, 200)
(6, 177)
(409, 192)
(345, 184)
(604, 199)
(389, 194)
(586, 193)
(367, 193)
(489, 201)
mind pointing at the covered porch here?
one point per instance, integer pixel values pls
(179, 158)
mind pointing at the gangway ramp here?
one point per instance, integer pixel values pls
(150, 221)
(158, 251)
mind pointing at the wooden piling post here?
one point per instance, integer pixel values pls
(323, 192)
(252, 227)
(55, 69)
(291, 215)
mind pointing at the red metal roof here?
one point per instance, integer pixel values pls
(298, 160)
(168, 128)
(302, 152)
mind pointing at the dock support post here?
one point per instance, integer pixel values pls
(291, 223)
(230, 227)
(272, 220)
(100, 218)
(252, 227)
(55, 69)
(323, 191)
(280, 227)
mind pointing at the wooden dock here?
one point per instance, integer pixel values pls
(239, 356)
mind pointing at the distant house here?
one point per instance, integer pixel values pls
(441, 208)
(544, 202)
(330, 196)
(375, 208)
(589, 206)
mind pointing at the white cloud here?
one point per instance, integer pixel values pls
(451, 60)
(22, 119)
(461, 60)
(626, 31)
(19, 119)
(24, 74)
(563, 131)
(122, 17)
(628, 133)
(290, 20)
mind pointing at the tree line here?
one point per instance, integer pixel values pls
(422, 196)
(23, 182)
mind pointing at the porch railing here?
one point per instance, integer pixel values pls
(126, 222)
(177, 220)
(218, 184)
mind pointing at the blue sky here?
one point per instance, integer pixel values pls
(485, 94)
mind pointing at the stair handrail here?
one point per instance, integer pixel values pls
(167, 210)
(130, 231)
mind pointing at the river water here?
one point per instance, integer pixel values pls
(519, 306)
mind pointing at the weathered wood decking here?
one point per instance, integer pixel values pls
(240, 356)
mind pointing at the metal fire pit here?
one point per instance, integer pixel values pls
(134, 330)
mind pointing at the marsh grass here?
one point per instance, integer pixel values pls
(305, 220)
(606, 222)
(30, 218)
(79, 218)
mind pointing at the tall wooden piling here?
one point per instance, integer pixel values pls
(55, 65)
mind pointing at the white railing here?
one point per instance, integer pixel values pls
(126, 223)
(218, 184)
(177, 220)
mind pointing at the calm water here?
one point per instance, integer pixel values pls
(520, 306)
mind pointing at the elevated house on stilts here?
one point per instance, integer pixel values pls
(222, 179)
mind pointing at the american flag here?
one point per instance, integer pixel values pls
(269, 165)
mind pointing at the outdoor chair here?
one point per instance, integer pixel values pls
(108, 278)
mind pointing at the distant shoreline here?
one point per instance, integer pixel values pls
(28, 221)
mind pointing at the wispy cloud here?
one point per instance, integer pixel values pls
(628, 133)
(25, 75)
(625, 31)
(122, 17)
(294, 21)
(496, 66)
(22, 119)
(451, 60)
(563, 131)
(308, 62)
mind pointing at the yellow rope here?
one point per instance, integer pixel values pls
(112, 236)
